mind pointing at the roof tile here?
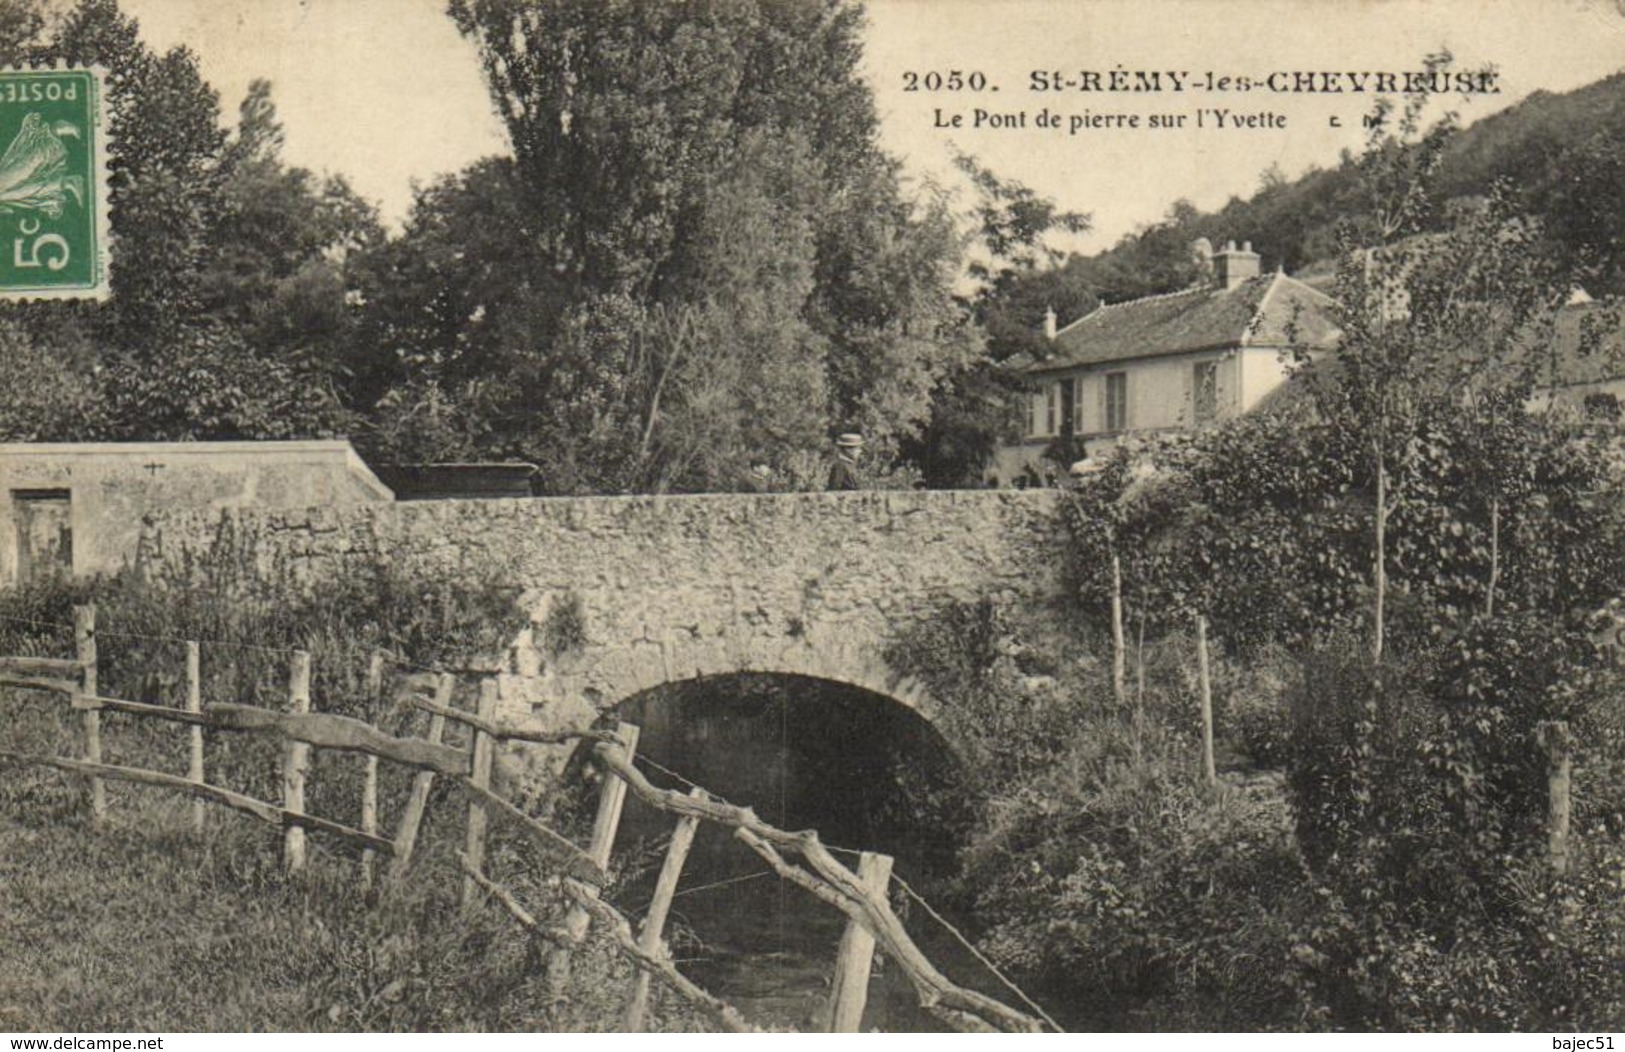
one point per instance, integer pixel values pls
(1271, 310)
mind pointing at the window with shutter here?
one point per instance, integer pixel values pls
(1205, 392)
(1117, 401)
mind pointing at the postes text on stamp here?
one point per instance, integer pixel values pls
(53, 185)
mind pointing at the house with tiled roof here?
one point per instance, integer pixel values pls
(1169, 362)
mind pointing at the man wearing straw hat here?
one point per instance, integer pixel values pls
(843, 475)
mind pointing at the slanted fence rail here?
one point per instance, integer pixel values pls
(798, 857)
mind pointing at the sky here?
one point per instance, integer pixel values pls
(387, 93)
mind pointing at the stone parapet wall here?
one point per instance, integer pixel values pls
(676, 587)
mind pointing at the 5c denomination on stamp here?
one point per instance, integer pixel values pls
(53, 185)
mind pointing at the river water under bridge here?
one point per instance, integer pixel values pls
(864, 771)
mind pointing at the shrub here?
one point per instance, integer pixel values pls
(1142, 903)
(1101, 873)
(1420, 808)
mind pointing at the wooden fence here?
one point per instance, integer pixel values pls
(798, 857)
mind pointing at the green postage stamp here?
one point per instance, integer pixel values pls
(53, 185)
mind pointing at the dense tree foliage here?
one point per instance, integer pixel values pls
(1560, 152)
(1017, 277)
(1407, 886)
(228, 301)
(704, 265)
(696, 267)
(1404, 568)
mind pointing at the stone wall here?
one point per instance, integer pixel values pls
(674, 588)
(106, 489)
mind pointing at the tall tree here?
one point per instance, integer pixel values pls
(163, 176)
(279, 267)
(1019, 276)
(628, 120)
(1389, 358)
(229, 294)
(1017, 267)
(733, 381)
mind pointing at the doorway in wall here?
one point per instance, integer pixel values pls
(44, 519)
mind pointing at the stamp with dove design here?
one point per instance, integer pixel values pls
(53, 185)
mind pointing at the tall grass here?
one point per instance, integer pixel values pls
(142, 925)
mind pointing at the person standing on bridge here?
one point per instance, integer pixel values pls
(843, 474)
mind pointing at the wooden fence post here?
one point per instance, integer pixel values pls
(611, 797)
(369, 783)
(484, 752)
(296, 763)
(849, 988)
(1205, 682)
(1558, 742)
(1119, 646)
(654, 924)
(84, 637)
(369, 820)
(406, 836)
(194, 703)
(375, 674)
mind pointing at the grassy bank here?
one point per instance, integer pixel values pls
(141, 926)
(144, 925)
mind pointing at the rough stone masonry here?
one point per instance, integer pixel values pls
(678, 587)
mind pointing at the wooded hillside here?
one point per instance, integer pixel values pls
(1559, 151)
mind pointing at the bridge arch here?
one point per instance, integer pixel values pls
(806, 752)
(600, 678)
(632, 670)
(861, 768)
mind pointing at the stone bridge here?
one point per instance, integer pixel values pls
(672, 588)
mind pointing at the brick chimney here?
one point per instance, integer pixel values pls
(1049, 323)
(1232, 265)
